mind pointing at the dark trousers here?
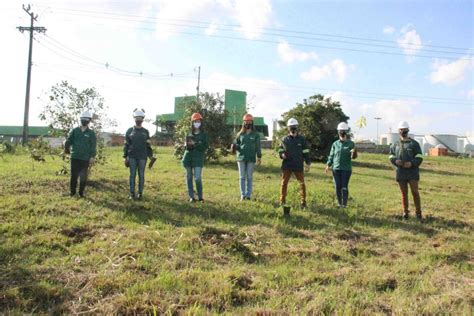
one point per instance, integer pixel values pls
(341, 182)
(79, 169)
(414, 191)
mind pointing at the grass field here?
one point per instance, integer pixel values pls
(105, 254)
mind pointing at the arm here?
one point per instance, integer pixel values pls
(393, 157)
(237, 142)
(331, 156)
(149, 150)
(282, 149)
(93, 145)
(258, 146)
(418, 159)
(69, 142)
(126, 144)
(202, 146)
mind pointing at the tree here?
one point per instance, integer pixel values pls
(65, 105)
(211, 107)
(318, 118)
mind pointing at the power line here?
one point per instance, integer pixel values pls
(206, 23)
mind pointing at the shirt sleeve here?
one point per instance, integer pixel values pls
(258, 145)
(393, 156)
(69, 140)
(306, 153)
(126, 144)
(93, 145)
(331, 156)
(149, 150)
(281, 148)
(237, 142)
(418, 159)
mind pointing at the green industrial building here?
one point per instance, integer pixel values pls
(235, 103)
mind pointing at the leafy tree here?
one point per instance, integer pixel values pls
(318, 118)
(212, 109)
(63, 108)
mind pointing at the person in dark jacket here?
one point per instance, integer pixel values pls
(293, 151)
(193, 160)
(406, 156)
(81, 143)
(340, 161)
(136, 150)
(249, 154)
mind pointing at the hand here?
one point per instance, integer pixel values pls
(398, 162)
(191, 142)
(259, 162)
(91, 161)
(327, 169)
(407, 164)
(284, 156)
(67, 150)
(126, 162)
(307, 168)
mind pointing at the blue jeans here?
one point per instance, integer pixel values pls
(197, 172)
(246, 177)
(134, 165)
(341, 182)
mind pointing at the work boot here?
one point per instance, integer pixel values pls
(201, 200)
(419, 215)
(405, 214)
(303, 205)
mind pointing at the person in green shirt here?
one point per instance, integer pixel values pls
(340, 161)
(247, 145)
(81, 143)
(136, 150)
(194, 155)
(406, 156)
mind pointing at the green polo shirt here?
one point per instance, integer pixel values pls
(340, 155)
(248, 146)
(82, 144)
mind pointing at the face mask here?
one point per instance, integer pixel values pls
(197, 124)
(404, 133)
(138, 122)
(85, 122)
(248, 125)
(293, 130)
(342, 134)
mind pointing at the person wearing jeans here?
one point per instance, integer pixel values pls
(340, 160)
(249, 154)
(194, 155)
(136, 150)
(81, 143)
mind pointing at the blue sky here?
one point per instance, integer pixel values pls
(274, 50)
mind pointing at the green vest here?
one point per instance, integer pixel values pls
(340, 155)
(195, 156)
(83, 144)
(248, 146)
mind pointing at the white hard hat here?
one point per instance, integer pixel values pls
(342, 126)
(403, 124)
(292, 122)
(86, 114)
(138, 113)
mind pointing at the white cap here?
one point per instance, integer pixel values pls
(403, 124)
(86, 114)
(138, 113)
(342, 126)
(292, 122)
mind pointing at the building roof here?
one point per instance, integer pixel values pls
(18, 130)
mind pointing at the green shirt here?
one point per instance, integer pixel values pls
(137, 144)
(407, 150)
(82, 144)
(340, 155)
(248, 146)
(194, 156)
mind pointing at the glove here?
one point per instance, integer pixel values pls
(152, 162)
(126, 162)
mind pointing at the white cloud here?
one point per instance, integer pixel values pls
(389, 29)
(212, 29)
(410, 41)
(470, 94)
(336, 68)
(289, 54)
(253, 15)
(450, 73)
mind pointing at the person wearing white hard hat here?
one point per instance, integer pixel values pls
(136, 150)
(406, 156)
(340, 161)
(81, 143)
(294, 152)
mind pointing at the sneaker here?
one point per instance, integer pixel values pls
(248, 198)
(192, 200)
(201, 200)
(242, 198)
(405, 215)
(131, 196)
(303, 205)
(139, 196)
(81, 194)
(419, 215)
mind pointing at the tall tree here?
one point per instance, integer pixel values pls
(318, 118)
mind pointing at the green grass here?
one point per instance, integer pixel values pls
(106, 254)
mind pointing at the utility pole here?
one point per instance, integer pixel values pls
(199, 81)
(377, 119)
(31, 29)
